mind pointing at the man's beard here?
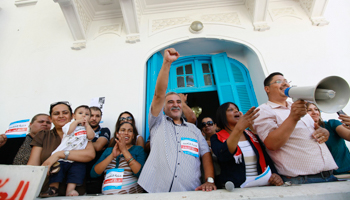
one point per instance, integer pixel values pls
(94, 126)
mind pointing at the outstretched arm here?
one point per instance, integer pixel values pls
(170, 55)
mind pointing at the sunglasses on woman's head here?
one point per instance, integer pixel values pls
(59, 102)
(125, 119)
(209, 123)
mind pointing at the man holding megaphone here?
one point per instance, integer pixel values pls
(294, 142)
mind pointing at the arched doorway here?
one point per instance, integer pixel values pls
(212, 72)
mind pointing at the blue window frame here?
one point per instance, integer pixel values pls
(192, 74)
(204, 73)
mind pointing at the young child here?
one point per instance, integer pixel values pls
(75, 137)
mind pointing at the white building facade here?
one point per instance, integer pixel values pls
(75, 50)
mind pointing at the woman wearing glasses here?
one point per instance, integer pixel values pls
(127, 117)
(122, 163)
(241, 154)
(45, 142)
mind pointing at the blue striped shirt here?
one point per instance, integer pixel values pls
(174, 161)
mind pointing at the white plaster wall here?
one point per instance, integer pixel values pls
(37, 66)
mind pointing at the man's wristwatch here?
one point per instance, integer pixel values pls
(66, 153)
(210, 180)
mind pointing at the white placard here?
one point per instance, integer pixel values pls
(18, 129)
(21, 181)
(261, 180)
(98, 102)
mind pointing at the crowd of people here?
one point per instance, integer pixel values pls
(290, 139)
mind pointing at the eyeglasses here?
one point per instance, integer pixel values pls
(125, 119)
(209, 123)
(280, 81)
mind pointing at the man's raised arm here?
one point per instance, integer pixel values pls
(170, 55)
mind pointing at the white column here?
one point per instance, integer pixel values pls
(76, 27)
(315, 10)
(258, 11)
(129, 11)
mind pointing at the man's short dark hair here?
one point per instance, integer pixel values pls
(269, 78)
(95, 108)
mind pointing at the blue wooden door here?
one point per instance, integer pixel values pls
(204, 73)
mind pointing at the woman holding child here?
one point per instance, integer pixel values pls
(45, 142)
(241, 154)
(123, 160)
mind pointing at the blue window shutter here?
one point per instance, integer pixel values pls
(233, 82)
(244, 87)
(154, 65)
(224, 79)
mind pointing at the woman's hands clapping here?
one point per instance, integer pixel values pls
(120, 146)
(247, 119)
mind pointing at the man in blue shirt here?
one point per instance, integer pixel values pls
(100, 143)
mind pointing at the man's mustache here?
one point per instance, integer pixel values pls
(174, 108)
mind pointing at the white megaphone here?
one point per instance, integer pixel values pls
(330, 95)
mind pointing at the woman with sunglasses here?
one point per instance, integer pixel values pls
(45, 142)
(339, 131)
(123, 160)
(208, 128)
(241, 154)
(127, 117)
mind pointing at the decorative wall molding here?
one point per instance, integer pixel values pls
(104, 2)
(319, 21)
(71, 13)
(20, 3)
(79, 44)
(130, 18)
(250, 5)
(138, 11)
(109, 29)
(231, 19)
(115, 28)
(84, 17)
(315, 10)
(133, 38)
(261, 26)
(306, 4)
(258, 12)
(185, 5)
(160, 24)
(289, 11)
